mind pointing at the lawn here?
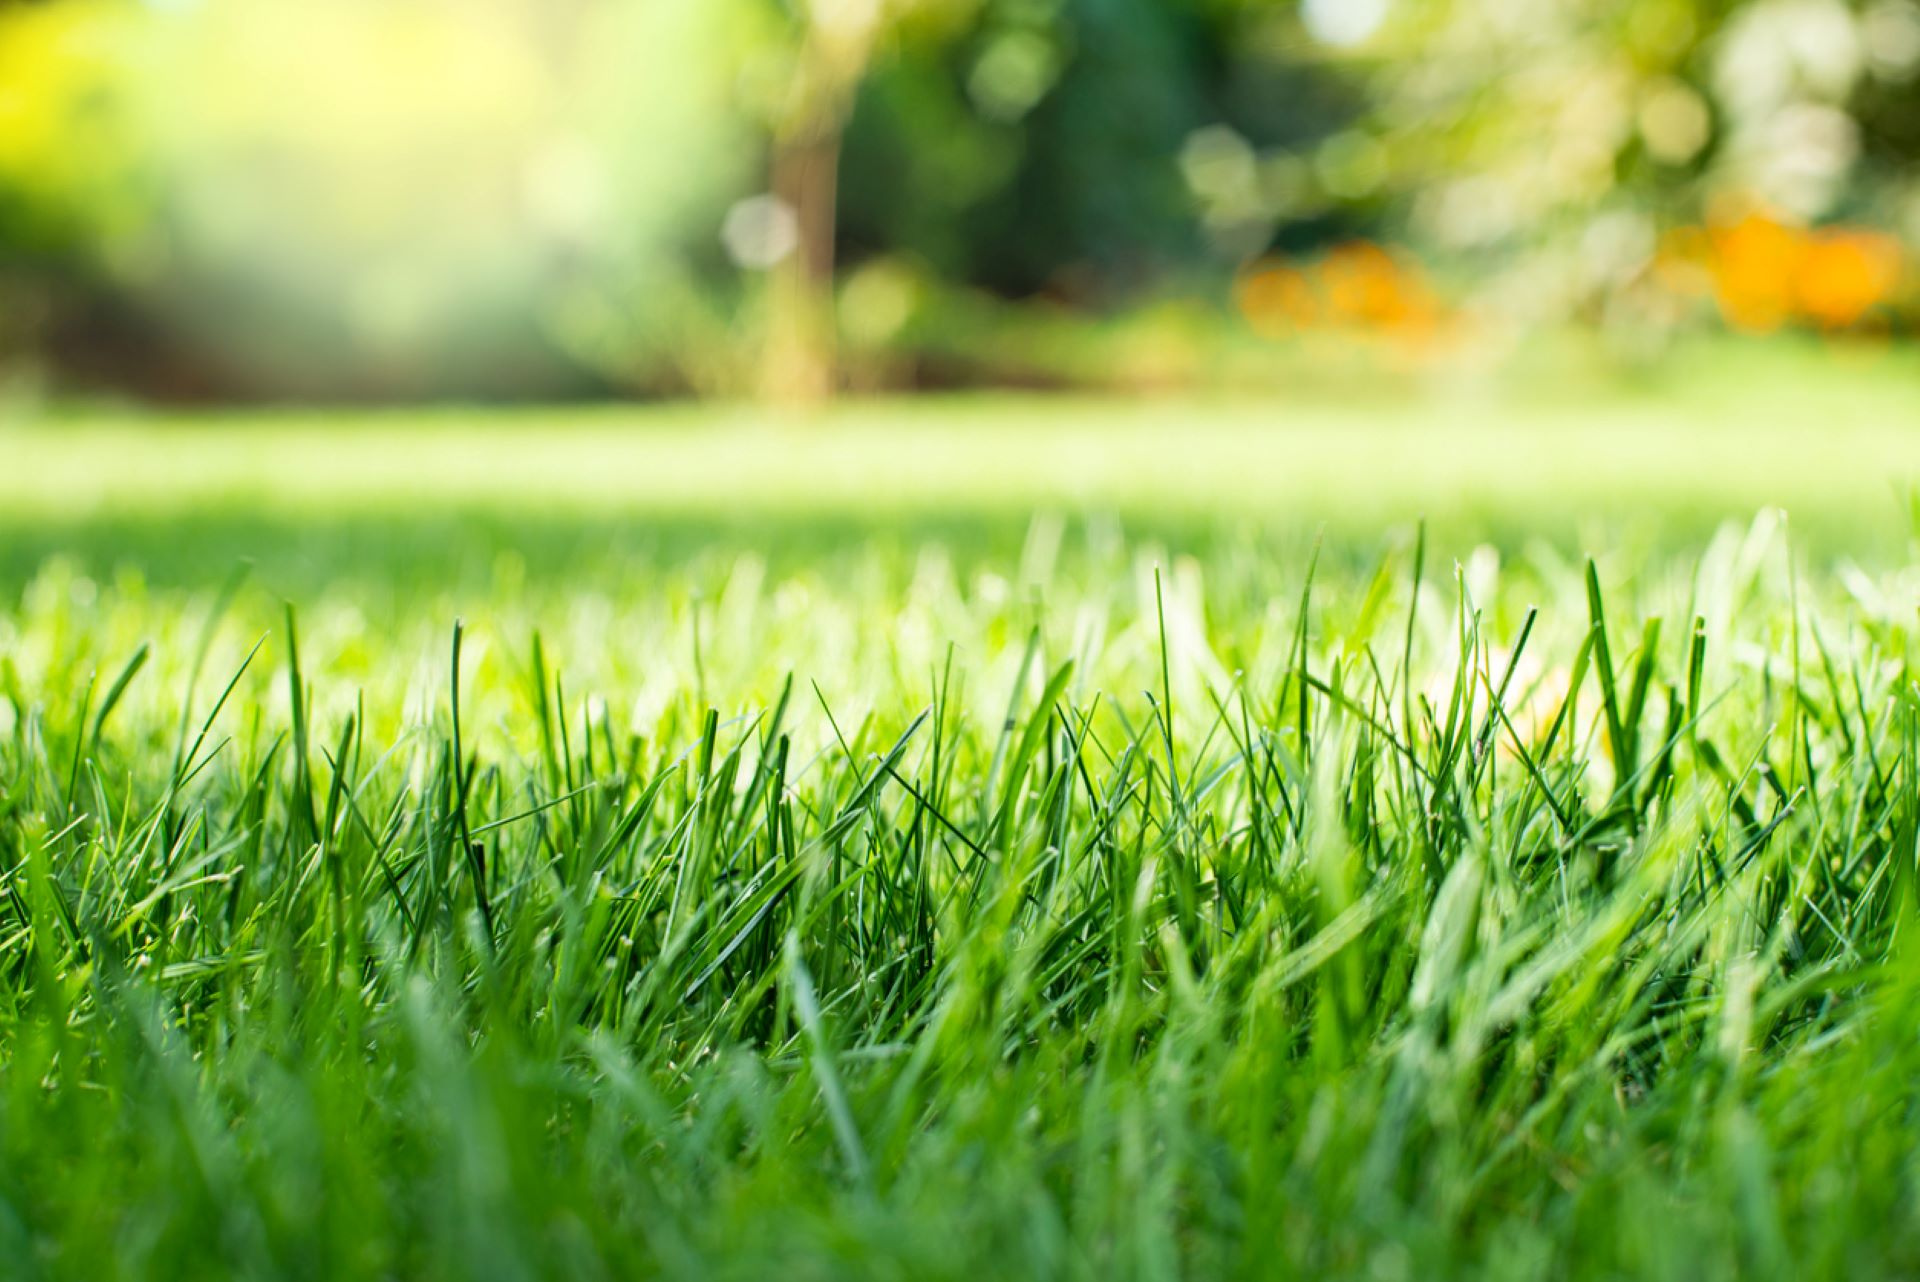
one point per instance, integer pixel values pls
(1465, 837)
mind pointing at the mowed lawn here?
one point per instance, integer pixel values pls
(1719, 432)
(1385, 837)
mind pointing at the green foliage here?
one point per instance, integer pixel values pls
(1041, 149)
(504, 198)
(380, 199)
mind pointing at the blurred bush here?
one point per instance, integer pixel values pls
(386, 197)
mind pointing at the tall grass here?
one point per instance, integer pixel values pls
(1103, 915)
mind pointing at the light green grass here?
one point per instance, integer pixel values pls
(1715, 435)
(939, 891)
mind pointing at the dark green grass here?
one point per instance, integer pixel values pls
(1035, 901)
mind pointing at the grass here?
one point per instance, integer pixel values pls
(703, 895)
(1716, 435)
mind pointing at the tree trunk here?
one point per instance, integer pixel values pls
(801, 362)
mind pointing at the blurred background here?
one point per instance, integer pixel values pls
(400, 200)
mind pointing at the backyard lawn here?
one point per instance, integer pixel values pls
(981, 837)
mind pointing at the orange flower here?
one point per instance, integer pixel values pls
(1844, 273)
(1357, 286)
(1754, 265)
(1362, 283)
(1277, 300)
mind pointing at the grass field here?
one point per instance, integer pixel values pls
(981, 839)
